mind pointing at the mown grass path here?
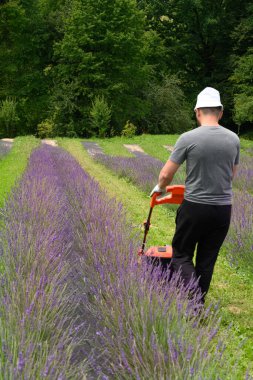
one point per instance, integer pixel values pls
(233, 290)
(14, 163)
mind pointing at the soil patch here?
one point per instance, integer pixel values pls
(134, 148)
(7, 140)
(49, 142)
(235, 309)
(92, 148)
(169, 147)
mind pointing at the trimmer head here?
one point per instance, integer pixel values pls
(162, 252)
(160, 255)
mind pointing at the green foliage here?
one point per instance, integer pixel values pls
(100, 117)
(169, 111)
(242, 79)
(129, 130)
(199, 42)
(102, 52)
(45, 129)
(27, 30)
(57, 56)
(8, 117)
(243, 108)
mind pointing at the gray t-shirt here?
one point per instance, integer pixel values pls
(210, 154)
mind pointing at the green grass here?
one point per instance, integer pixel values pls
(234, 290)
(14, 163)
(152, 144)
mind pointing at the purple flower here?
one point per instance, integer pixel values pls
(21, 362)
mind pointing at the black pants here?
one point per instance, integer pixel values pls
(206, 227)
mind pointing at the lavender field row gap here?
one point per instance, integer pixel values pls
(142, 170)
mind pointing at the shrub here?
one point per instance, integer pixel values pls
(244, 177)
(100, 117)
(169, 111)
(129, 129)
(45, 129)
(239, 239)
(8, 117)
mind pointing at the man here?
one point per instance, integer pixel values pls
(211, 153)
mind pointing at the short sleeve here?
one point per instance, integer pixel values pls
(179, 152)
(237, 158)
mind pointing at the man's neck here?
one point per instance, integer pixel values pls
(209, 122)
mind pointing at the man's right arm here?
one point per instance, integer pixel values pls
(237, 158)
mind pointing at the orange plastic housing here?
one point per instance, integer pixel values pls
(163, 252)
(175, 196)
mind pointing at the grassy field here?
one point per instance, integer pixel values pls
(233, 290)
(14, 163)
(152, 144)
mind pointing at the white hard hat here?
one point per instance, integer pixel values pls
(209, 97)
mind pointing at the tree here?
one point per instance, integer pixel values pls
(198, 38)
(26, 35)
(102, 53)
(100, 117)
(169, 110)
(242, 61)
(8, 118)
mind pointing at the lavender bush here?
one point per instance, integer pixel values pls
(38, 329)
(142, 170)
(4, 148)
(239, 241)
(244, 177)
(147, 328)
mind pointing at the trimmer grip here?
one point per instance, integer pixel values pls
(175, 196)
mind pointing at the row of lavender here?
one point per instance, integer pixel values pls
(38, 330)
(73, 297)
(143, 171)
(239, 242)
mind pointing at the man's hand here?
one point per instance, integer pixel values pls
(157, 189)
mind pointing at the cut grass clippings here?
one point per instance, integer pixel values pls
(234, 290)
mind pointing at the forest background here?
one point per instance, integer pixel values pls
(104, 68)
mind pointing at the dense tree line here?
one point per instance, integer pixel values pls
(85, 67)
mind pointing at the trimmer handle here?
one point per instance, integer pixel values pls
(175, 196)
